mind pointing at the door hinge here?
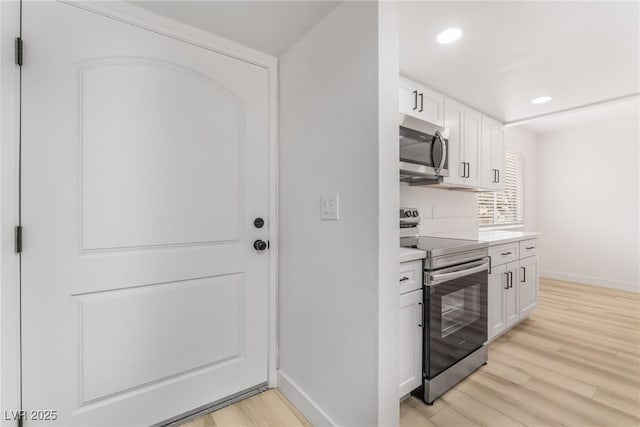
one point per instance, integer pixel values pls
(19, 239)
(19, 51)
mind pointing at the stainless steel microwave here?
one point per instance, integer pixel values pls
(424, 150)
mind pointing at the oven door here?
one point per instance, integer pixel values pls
(456, 315)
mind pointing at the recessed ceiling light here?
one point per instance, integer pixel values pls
(541, 100)
(449, 35)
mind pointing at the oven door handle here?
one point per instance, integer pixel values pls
(445, 276)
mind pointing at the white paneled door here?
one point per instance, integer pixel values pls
(144, 165)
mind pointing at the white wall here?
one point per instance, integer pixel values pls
(588, 204)
(333, 274)
(521, 141)
(388, 218)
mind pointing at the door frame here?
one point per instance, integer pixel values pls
(10, 390)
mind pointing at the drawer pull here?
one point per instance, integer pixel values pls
(506, 253)
(530, 247)
(404, 279)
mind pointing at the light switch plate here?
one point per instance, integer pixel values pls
(329, 207)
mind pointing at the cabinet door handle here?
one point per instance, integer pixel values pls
(510, 279)
(498, 180)
(404, 279)
(420, 322)
(524, 274)
(415, 99)
(507, 274)
(468, 170)
(506, 253)
(421, 103)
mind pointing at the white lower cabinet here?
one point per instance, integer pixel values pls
(512, 292)
(496, 301)
(528, 285)
(503, 308)
(410, 313)
(410, 341)
(511, 304)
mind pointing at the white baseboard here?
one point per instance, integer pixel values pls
(590, 280)
(303, 402)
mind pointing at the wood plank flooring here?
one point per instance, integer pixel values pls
(270, 408)
(574, 362)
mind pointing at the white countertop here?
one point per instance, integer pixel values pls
(493, 237)
(410, 254)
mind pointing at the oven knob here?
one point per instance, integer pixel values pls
(415, 214)
(408, 214)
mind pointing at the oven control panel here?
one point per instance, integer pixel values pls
(409, 217)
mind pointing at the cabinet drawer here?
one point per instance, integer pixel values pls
(501, 254)
(410, 277)
(528, 248)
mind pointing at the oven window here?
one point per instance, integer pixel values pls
(459, 309)
(457, 321)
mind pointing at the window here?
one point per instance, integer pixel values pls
(505, 207)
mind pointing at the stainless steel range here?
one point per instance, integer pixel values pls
(455, 301)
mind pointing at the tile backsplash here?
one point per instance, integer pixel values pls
(441, 210)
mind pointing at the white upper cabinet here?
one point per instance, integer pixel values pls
(421, 102)
(454, 121)
(493, 155)
(472, 139)
(465, 132)
(476, 142)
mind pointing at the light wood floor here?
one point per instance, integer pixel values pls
(574, 362)
(270, 408)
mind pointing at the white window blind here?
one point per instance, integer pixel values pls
(505, 207)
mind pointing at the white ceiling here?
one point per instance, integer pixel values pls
(577, 52)
(629, 109)
(268, 26)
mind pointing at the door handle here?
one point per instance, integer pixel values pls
(421, 321)
(260, 245)
(421, 103)
(524, 274)
(498, 180)
(507, 274)
(468, 170)
(415, 99)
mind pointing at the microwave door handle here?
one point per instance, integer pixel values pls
(444, 153)
(440, 138)
(476, 267)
